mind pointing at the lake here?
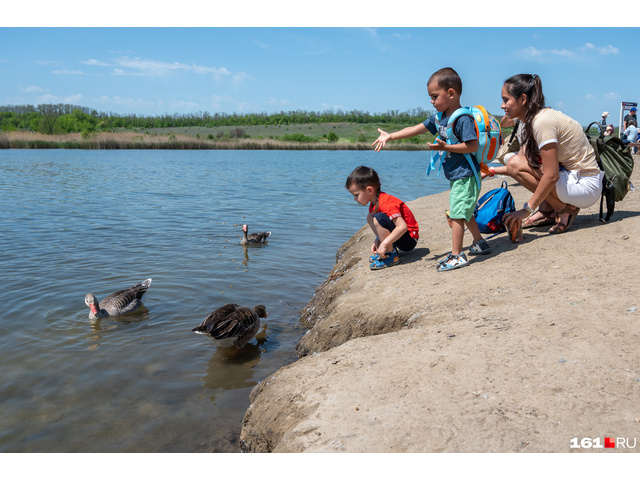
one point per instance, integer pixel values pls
(77, 221)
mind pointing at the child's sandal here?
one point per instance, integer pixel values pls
(452, 262)
(392, 259)
(481, 247)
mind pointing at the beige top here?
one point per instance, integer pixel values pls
(574, 150)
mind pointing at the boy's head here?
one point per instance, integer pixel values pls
(364, 184)
(632, 122)
(445, 89)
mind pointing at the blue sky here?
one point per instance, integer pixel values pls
(155, 71)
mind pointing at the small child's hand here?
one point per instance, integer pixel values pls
(381, 141)
(438, 146)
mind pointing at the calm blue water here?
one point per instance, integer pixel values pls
(74, 222)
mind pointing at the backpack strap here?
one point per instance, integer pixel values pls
(515, 130)
(608, 193)
(438, 156)
(451, 133)
(451, 136)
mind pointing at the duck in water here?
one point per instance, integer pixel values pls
(118, 303)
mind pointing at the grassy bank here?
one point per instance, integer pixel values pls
(259, 137)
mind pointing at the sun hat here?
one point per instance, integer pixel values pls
(605, 114)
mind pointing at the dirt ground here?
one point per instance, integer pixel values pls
(523, 350)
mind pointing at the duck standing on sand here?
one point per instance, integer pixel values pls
(232, 325)
(118, 303)
(253, 238)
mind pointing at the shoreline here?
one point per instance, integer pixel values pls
(522, 351)
(148, 141)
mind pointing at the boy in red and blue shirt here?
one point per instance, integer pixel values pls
(391, 220)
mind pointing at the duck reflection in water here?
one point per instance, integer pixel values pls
(233, 368)
(110, 323)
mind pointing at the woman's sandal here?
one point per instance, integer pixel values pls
(563, 227)
(535, 220)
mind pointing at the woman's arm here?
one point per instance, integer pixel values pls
(506, 122)
(550, 174)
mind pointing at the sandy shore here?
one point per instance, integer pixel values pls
(522, 351)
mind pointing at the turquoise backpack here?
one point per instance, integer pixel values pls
(488, 132)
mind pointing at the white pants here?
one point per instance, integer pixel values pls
(579, 191)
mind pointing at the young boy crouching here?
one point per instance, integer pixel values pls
(391, 220)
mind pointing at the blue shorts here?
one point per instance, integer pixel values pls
(406, 243)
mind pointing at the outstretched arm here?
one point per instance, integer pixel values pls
(407, 132)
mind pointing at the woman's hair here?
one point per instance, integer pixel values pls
(531, 86)
(363, 177)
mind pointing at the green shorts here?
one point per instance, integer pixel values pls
(463, 197)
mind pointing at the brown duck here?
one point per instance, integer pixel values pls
(252, 238)
(118, 303)
(232, 325)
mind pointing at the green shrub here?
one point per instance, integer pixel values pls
(297, 137)
(332, 137)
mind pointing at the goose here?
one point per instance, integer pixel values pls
(118, 303)
(232, 325)
(253, 237)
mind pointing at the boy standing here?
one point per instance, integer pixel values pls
(391, 220)
(445, 89)
(630, 135)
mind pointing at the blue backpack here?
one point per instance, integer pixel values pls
(491, 207)
(487, 131)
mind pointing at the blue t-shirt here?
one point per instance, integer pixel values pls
(455, 165)
(631, 133)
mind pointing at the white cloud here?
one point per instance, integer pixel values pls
(531, 52)
(563, 53)
(590, 96)
(261, 44)
(70, 99)
(31, 89)
(247, 107)
(95, 63)
(611, 95)
(131, 103)
(184, 106)
(319, 51)
(277, 102)
(68, 72)
(606, 50)
(155, 68)
(221, 99)
(241, 76)
(399, 36)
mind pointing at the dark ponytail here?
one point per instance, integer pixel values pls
(531, 86)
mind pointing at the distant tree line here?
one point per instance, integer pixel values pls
(64, 118)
